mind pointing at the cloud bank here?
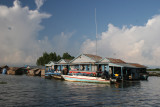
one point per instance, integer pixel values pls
(19, 29)
(140, 44)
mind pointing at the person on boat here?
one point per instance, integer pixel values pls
(65, 71)
(110, 72)
(105, 75)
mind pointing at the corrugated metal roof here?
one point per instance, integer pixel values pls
(125, 65)
(137, 65)
(67, 60)
(131, 65)
(113, 60)
(94, 57)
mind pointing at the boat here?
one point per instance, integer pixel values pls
(77, 78)
(143, 76)
(48, 75)
(55, 75)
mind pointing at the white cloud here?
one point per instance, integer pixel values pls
(18, 32)
(39, 3)
(63, 43)
(132, 44)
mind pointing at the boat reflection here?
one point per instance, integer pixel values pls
(126, 84)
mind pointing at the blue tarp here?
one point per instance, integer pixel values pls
(4, 71)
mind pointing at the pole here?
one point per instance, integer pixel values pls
(96, 30)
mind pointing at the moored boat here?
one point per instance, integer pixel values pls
(76, 78)
(55, 75)
(143, 76)
(48, 75)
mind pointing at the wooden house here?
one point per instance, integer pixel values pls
(117, 67)
(85, 62)
(50, 67)
(93, 64)
(62, 64)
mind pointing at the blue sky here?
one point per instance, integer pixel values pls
(69, 26)
(79, 15)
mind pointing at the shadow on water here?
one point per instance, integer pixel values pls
(3, 82)
(126, 84)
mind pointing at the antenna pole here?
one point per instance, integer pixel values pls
(96, 30)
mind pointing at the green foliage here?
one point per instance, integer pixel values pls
(156, 69)
(47, 57)
(67, 56)
(58, 58)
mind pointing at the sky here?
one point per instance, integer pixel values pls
(126, 29)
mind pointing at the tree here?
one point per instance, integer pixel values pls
(58, 58)
(67, 56)
(39, 61)
(53, 56)
(47, 57)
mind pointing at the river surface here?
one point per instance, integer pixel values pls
(28, 91)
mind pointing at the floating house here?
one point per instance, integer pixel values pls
(96, 65)
(50, 66)
(85, 63)
(62, 64)
(49, 69)
(124, 70)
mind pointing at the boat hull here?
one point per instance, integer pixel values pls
(144, 77)
(57, 77)
(75, 78)
(50, 75)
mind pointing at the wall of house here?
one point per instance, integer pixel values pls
(61, 67)
(84, 67)
(135, 73)
(105, 60)
(103, 67)
(82, 59)
(62, 62)
(94, 68)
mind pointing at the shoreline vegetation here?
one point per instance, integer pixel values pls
(47, 57)
(154, 72)
(156, 69)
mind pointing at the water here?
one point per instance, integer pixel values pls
(29, 91)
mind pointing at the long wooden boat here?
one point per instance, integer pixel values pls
(78, 78)
(54, 75)
(57, 77)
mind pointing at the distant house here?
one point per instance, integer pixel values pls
(50, 67)
(51, 63)
(63, 63)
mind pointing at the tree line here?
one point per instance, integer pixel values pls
(156, 69)
(47, 57)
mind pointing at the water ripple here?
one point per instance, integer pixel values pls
(39, 92)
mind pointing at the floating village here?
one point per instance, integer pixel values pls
(85, 68)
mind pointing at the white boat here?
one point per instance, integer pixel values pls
(77, 78)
